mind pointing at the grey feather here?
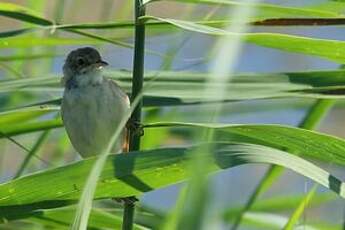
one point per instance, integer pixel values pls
(92, 113)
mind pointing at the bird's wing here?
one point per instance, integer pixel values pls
(119, 91)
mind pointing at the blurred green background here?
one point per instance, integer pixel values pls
(167, 49)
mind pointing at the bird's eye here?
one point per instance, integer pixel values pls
(80, 61)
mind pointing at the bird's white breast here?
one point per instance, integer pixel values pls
(91, 114)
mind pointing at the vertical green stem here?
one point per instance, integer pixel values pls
(138, 71)
(137, 85)
(128, 215)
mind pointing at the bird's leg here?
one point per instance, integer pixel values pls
(135, 127)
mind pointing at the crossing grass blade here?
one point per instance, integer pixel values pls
(324, 48)
(62, 218)
(24, 114)
(140, 172)
(266, 10)
(170, 86)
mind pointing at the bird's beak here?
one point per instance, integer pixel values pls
(101, 64)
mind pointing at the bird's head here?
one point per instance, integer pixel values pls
(82, 61)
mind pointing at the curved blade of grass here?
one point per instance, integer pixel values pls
(310, 143)
(36, 126)
(321, 84)
(236, 91)
(266, 9)
(310, 121)
(147, 217)
(105, 218)
(139, 172)
(24, 114)
(12, 33)
(28, 57)
(148, 102)
(22, 13)
(329, 49)
(279, 41)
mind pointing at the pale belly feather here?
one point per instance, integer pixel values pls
(91, 115)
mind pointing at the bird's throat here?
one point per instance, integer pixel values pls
(82, 80)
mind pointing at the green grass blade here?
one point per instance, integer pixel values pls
(22, 13)
(64, 216)
(24, 114)
(266, 9)
(28, 127)
(328, 49)
(136, 173)
(316, 113)
(12, 33)
(272, 174)
(37, 146)
(313, 117)
(281, 203)
(312, 144)
(170, 86)
(291, 224)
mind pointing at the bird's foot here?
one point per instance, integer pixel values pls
(135, 127)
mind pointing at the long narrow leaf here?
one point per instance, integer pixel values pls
(329, 49)
(136, 173)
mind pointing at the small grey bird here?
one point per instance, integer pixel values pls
(92, 105)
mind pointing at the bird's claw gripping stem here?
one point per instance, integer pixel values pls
(136, 127)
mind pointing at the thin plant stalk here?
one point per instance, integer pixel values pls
(138, 72)
(39, 143)
(312, 119)
(292, 222)
(137, 86)
(128, 215)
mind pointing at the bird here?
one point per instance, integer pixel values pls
(93, 106)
